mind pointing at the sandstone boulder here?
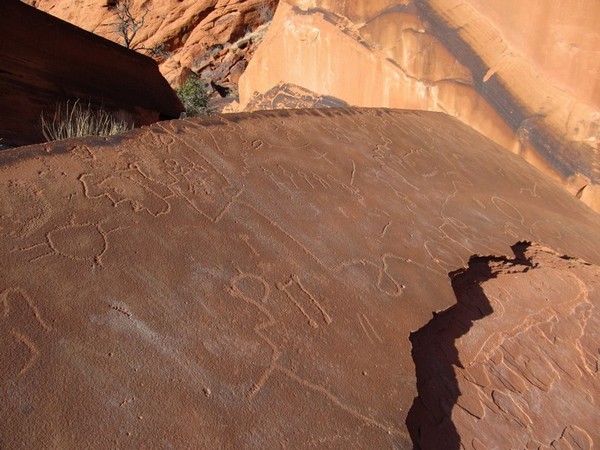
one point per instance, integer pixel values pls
(253, 280)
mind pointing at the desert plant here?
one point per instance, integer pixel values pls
(194, 97)
(74, 119)
(127, 25)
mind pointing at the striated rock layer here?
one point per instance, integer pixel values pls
(252, 281)
(530, 85)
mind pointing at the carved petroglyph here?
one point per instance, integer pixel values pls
(340, 404)
(256, 291)
(286, 138)
(24, 209)
(146, 187)
(198, 181)
(385, 282)
(309, 302)
(256, 296)
(369, 329)
(22, 330)
(246, 239)
(289, 177)
(84, 153)
(321, 157)
(75, 241)
(508, 209)
(130, 186)
(385, 228)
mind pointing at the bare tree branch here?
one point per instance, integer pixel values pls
(127, 26)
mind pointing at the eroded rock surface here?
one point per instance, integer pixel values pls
(252, 280)
(514, 364)
(529, 85)
(213, 38)
(291, 96)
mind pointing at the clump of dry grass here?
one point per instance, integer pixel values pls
(74, 119)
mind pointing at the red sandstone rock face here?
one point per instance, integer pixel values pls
(288, 96)
(214, 38)
(253, 280)
(529, 85)
(515, 361)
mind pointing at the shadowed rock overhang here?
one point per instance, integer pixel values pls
(46, 61)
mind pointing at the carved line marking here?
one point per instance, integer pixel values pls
(30, 346)
(322, 156)
(312, 322)
(382, 272)
(504, 207)
(236, 292)
(289, 236)
(532, 191)
(288, 175)
(335, 400)
(368, 328)
(246, 239)
(19, 336)
(6, 307)
(304, 176)
(385, 228)
(227, 206)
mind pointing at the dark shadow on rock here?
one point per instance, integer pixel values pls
(435, 354)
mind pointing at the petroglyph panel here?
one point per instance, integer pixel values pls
(23, 331)
(252, 272)
(513, 381)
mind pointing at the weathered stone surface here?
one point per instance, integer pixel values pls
(205, 36)
(530, 85)
(388, 60)
(252, 280)
(529, 325)
(290, 96)
(46, 61)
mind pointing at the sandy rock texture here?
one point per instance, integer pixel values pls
(214, 38)
(263, 280)
(524, 74)
(496, 366)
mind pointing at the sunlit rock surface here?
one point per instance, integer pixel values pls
(259, 281)
(524, 74)
(213, 38)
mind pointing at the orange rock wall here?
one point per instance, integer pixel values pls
(387, 70)
(189, 30)
(525, 76)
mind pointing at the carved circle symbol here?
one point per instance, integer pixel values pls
(80, 242)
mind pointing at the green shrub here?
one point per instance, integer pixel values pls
(194, 97)
(78, 120)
